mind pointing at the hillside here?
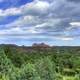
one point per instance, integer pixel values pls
(39, 62)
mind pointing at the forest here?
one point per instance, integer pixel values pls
(39, 62)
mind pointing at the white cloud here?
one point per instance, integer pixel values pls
(35, 6)
(64, 38)
(67, 39)
(40, 16)
(75, 23)
(17, 31)
(24, 21)
(10, 11)
(38, 5)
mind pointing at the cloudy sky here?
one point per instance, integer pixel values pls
(55, 22)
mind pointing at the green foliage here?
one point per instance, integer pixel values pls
(46, 69)
(5, 63)
(57, 64)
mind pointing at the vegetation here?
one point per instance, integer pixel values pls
(39, 63)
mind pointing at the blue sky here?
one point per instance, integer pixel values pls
(54, 22)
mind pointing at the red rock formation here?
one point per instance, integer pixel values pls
(42, 45)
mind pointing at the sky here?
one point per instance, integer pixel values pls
(54, 22)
